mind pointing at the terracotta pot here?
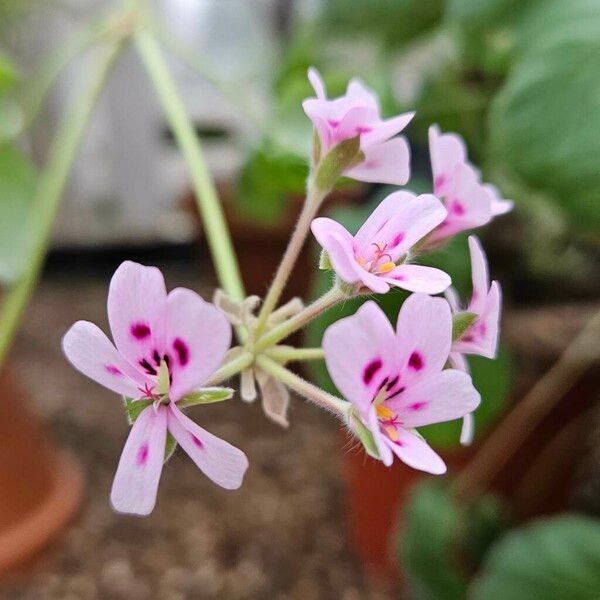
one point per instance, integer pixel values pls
(40, 487)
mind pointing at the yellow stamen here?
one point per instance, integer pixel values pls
(387, 267)
(361, 261)
(383, 412)
(392, 433)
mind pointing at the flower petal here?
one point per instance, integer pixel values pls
(92, 353)
(387, 458)
(447, 151)
(479, 276)
(386, 162)
(359, 353)
(217, 459)
(198, 336)
(417, 278)
(424, 336)
(136, 312)
(362, 95)
(317, 83)
(438, 398)
(414, 451)
(467, 431)
(385, 130)
(136, 481)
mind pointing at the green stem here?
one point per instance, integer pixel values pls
(215, 227)
(313, 201)
(289, 353)
(231, 368)
(334, 296)
(49, 192)
(303, 388)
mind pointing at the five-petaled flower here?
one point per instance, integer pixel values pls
(377, 255)
(481, 337)
(166, 347)
(386, 158)
(396, 380)
(470, 203)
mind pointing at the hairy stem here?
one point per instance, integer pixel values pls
(231, 368)
(49, 192)
(309, 210)
(215, 227)
(302, 387)
(289, 353)
(334, 296)
(506, 439)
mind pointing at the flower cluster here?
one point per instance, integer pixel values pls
(171, 349)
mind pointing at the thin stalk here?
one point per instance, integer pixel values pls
(302, 387)
(334, 296)
(290, 354)
(231, 368)
(49, 192)
(506, 439)
(309, 210)
(215, 227)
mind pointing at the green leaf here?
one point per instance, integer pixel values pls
(554, 559)
(436, 545)
(133, 408)
(365, 436)
(342, 156)
(544, 122)
(18, 180)
(461, 322)
(324, 262)
(208, 395)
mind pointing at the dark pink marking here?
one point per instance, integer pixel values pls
(439, 182)
(417, 406)
(482, 328)
(360, 130)
(183, 352)
(333, 123)
(113, 370)
(399, 277)
(143, 362)
(457, 208)
(197, 441)
(140, 331)
(370, 370)
(397, 240)
(142, 455)
(396, 393)
(467, 338)
(415, 361)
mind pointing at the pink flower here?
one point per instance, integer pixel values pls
(357, 113)
(395, 379)
(470, 203)
(166, 346)
(384, 240)
(481, 337)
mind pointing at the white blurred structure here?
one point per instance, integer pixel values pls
(129, 178)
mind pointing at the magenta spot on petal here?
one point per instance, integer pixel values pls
(397, 240)
(197, 441)
(415, 361)
(142, 455)
(113, 370)
(333, 123)
(370, 370)
(360, 130)
(140, 331)
(417, 406)
(457, 208)
(482, 328)
(183, 353)
(467, 338)
(439, 182)
(399, 277)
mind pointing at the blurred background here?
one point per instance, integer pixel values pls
(315, 517)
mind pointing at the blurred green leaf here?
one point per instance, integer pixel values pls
(18, 180)
(555, 559)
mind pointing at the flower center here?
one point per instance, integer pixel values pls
(381, 262)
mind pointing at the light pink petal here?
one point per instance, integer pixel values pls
(387, 458)
(360, 353)
(355, 121)
(414, 451)
(316, 110)
(91, 353)
(482, 336)
(376, 283)
(317, 83)
(337, 242)
(447, 151)
(453, 299)
(387, 162)
(458, 361)
(136, 480)
(217, 459)
(362, 95)
(500, 206)
(467, 432)
(386, 130)
(417, 278)
(479, 276)
(441, 397)
(424, 336)
(136, 312)
(399, 222)
(198, 336)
